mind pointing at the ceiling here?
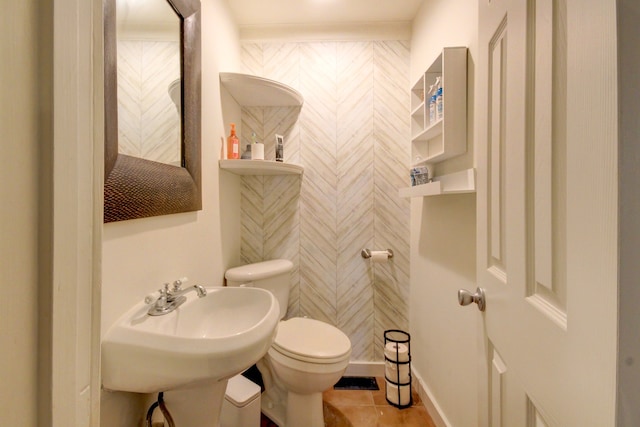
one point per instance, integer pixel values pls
(322, 12)
(146, 16)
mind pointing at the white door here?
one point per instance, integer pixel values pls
(546, 142)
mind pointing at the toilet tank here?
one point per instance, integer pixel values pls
(273, 275)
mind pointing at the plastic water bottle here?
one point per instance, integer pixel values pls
(439, 104)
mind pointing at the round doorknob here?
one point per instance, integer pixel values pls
(465, 298)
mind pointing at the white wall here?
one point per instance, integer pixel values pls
(48, 144)
(443, 239)
(629, 213)
(139, 255)
(19, 151)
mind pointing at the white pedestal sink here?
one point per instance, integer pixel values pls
(191, 352)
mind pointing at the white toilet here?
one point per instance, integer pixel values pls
(306, 358)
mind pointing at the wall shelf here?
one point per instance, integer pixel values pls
(261, 167)
(254, 91)
(447, 137)
(455, 183)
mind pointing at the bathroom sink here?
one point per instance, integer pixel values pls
(205, 339)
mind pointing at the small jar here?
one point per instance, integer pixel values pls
(247, 153)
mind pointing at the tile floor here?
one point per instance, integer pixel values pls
(365, 408)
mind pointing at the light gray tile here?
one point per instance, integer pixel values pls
(352, 137)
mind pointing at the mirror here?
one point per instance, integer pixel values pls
(149, 80)
(137, 187)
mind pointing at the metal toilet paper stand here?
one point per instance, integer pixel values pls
(397, 355)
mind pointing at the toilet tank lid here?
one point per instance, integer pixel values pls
(259, 270)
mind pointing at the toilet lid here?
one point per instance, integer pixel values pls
(304, 339)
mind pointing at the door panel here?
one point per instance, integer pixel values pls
(545, 139)
(497, 387)
(497, 261)
(545, 249)
(500, 174)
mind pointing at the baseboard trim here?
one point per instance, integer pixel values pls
(429, 402)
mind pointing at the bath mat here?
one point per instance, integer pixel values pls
(356, 383)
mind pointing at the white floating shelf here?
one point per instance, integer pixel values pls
(430, 132)
(254, 91)
(455, 183)
(261, 167)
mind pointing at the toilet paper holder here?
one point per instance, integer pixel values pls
(397, 374)
(366, 253)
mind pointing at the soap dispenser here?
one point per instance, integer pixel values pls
(233, 144)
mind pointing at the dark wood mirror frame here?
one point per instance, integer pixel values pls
(139, 188)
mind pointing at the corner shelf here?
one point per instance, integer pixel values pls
(261, 167)
(254, 91)
(455, 183)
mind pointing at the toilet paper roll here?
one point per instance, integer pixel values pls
(257, 151)
(404, 395)
(397, 352)
(379, 256)
(396, 372)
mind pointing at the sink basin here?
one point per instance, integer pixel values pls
(205, 339)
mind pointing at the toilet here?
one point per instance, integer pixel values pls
(306, 358)
(175, 93)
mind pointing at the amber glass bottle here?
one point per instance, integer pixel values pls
(233, 144)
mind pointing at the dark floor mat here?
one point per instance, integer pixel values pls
(356, 383)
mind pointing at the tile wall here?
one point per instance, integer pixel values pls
(352, 137)
(148, 121)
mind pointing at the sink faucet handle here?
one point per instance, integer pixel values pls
(177, 284)
(155, 296)
(152, 297)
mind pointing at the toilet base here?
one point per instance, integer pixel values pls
(305, 410)
(274, 410)
(300, 410)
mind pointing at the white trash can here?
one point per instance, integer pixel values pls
(241, 406)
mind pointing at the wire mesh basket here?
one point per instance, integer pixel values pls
(397, 372)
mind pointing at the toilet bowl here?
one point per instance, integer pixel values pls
(306, 358)
(175, 93)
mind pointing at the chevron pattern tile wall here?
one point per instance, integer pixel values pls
(148, 122)
(352, 137)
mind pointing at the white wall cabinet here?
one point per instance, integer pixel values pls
(447, 136)
(434, 139)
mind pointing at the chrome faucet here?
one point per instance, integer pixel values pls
(170, 299)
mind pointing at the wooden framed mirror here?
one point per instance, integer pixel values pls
(136, 187)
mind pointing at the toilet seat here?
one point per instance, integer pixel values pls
(312, 341)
